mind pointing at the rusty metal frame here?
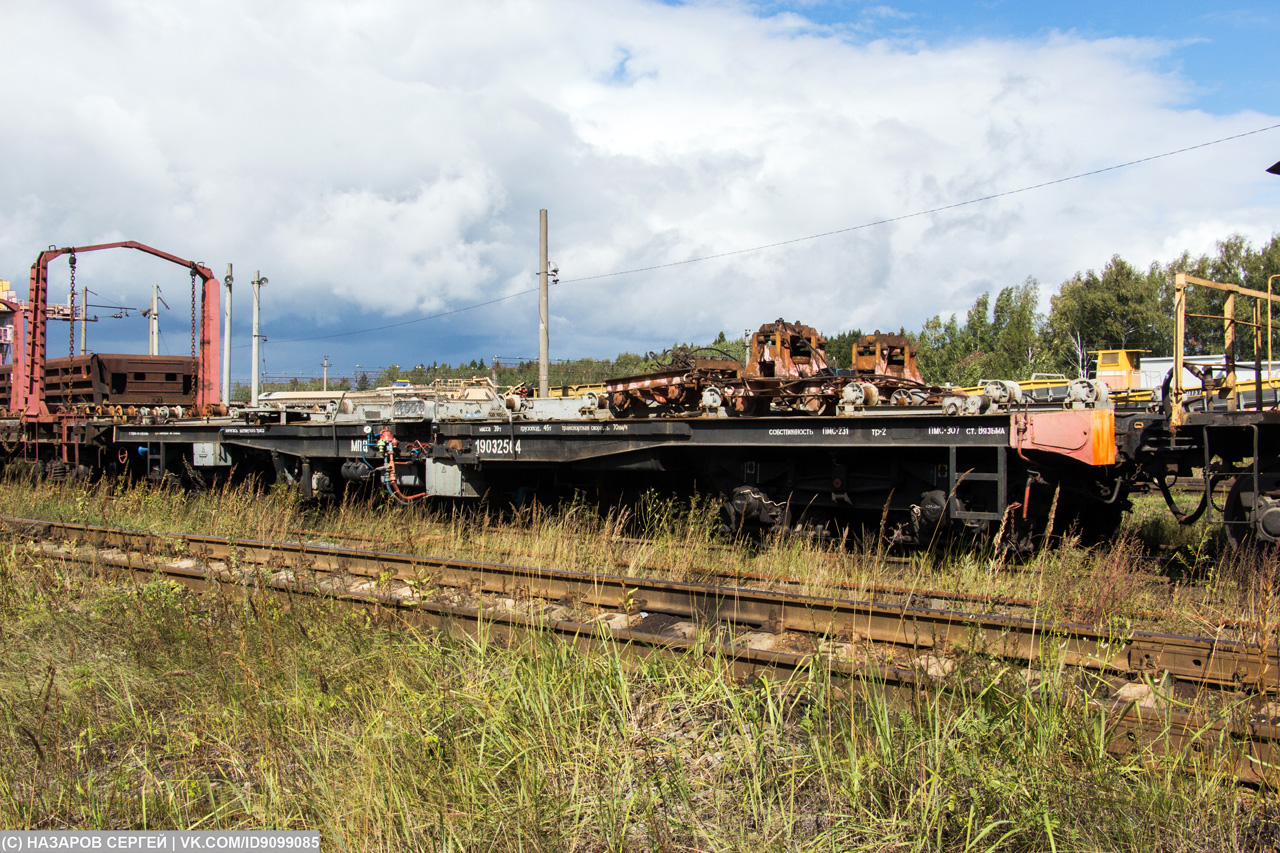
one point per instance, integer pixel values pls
(778, 345)
(877, 354)
(28, 392)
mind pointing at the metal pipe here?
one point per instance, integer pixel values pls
(1257, 355)
(1229, 352)
(258, 281)
(226, 339)
(544, 345)
(1179, 341)
(1269, 366)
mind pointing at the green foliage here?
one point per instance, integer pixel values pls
(389, 375)
(1120, 307)
(1017, 345)
(941, 347)
(1004, 341)
(737, 349)
(840, 348)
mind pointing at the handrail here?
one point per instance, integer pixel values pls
(1181, 281)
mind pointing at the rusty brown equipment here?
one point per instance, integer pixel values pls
(679, 386)
(787, 367)
(886, 355)
(786, 371)
(888, 362)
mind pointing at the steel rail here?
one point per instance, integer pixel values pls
(1216, 662)
(1251, 749)
(910, 594)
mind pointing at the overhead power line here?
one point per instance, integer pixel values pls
(872, 224)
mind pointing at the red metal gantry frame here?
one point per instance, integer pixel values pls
(28, 388)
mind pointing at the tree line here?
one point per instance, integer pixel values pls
(1120, 306)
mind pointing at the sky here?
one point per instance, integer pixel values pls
(383, 163)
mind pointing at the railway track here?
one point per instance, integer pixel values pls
(890, 595)
(756, 633)
(1222, 662)
(897, 595)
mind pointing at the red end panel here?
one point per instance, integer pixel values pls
(209, 390)
(32, 388)
(1087, 435)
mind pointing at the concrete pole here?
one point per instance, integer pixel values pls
(544, 346)
(258, 281)
(153, 322)
(325, 386)
(226, 339)
(84, 316)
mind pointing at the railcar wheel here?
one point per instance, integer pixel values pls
(748, 512)
(1250, 517)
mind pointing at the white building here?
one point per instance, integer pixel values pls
(1152, 371)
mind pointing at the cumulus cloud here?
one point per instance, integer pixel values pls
(386, 160)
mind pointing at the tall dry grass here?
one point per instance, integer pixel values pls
(1191, 584)
(143, 705)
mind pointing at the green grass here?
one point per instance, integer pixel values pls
(131, 705)
(1153, 574)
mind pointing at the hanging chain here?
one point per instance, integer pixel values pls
(193, 313)
(195, 365)
(71, 345)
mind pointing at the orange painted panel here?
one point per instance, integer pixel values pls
(1104, 436)
(1088, 435)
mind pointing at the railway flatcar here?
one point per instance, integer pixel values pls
(783, 442)
(925, 473)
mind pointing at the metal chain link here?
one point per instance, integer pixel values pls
(195, 365)
(71, 344)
